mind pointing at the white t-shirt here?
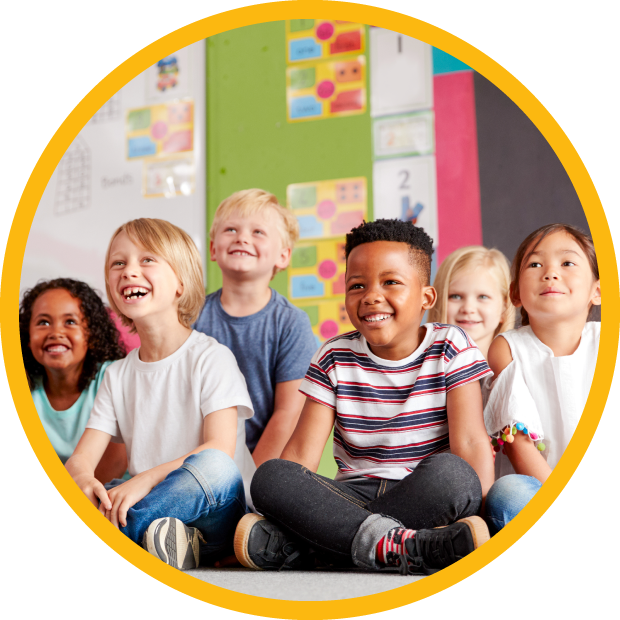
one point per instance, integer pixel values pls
(157, 409)
(390, 415)
(544, 392)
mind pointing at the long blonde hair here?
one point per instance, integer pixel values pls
(466, 259)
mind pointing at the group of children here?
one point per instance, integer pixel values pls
(221, 415)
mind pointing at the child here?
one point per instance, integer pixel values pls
(68, 341)
(546, 366)
(174, 402)
(252, 237)
(473, 292)
(400, 397)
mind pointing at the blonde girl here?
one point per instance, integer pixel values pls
(473, 292)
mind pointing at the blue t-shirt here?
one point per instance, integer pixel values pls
(65, 428)
(272, 346)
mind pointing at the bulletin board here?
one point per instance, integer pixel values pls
(321, 39)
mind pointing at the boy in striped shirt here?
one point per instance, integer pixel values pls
(413, 456)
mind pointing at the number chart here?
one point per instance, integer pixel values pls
(315, 39)
(160, 130)
(328, 208)
(328, 318)
(326, 89)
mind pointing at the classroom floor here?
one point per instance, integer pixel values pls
(319, 585)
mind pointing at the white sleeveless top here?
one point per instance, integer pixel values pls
(544, 392)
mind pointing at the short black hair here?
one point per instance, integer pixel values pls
(103, 337)
(420, 244)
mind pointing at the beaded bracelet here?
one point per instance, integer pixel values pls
(507, 436)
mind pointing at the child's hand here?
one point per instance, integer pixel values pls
(94, 490)
(125, 495)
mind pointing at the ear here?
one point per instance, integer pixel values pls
(596, 294)
(284, 258)
(429, 297)
(212, 251)
(514, 298)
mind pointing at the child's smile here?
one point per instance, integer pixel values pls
(385, 297)
(58, 331)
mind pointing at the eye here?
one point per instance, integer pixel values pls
(148, 260)
(71, 322)
(259, 231)
(483, 297)
(454, 296)
(43, 322)
(535, 265)
(230, 229)
(568, 263)
(117, 263)
(355, 287)
(390, 282)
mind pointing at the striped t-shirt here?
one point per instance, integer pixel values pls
(391, 414)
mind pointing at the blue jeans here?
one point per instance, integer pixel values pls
(206, 492)
(506, 499)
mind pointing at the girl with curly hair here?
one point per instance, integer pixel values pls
(68, 340)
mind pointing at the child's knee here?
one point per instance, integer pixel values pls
(214, 465)
(270, 478)
(511, 493)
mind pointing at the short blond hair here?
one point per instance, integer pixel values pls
(178, 249)
(250, 201)
(466, 259)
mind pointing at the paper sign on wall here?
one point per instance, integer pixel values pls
(326, 89)
(160, 130)
(328, 208)
(167, 178)
(314, 39)
(328, 318)
(317, 270)
(406, 189)
(406, 134)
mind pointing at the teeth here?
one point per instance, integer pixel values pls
(56, 348)
(375, 318)
(129, 291)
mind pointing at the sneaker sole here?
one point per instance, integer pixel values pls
(478, 528)
(169, 540)
(242, 535)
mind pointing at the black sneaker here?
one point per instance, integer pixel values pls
(174, 543)
(431, 550)
(261, 545)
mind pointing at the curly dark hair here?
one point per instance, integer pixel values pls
(103, 337)
(420, 244)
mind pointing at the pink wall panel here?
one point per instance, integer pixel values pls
(458, 181)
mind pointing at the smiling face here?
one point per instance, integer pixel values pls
(476, 303)
(556, 281)
(58, 332)
(250, 247)
(385, 298)
(143, 285)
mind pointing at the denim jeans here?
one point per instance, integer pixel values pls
(206, 492)
(507, 497)
(344, 520)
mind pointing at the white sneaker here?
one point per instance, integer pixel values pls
(174, 543)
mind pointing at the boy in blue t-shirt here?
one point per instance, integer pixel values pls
(252, 238)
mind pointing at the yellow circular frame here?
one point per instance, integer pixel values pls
(244, 17)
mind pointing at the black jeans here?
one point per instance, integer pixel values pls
(343, 521)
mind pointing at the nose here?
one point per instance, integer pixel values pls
(130, 270)
(551, 274)
(373, 294)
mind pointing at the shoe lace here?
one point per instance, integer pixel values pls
(436, 547)
(279, 546)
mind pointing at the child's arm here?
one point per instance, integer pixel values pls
(310, 435)
(113, 463)
(523, 455)
(288, 403)
(468, 436)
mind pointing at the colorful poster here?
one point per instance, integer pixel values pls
(169, 78)
(314, 39)
(406, 134)
(328, 208)
(328, 318)
(167, 178)
(160, 130)
(317, 270)
(326, 89)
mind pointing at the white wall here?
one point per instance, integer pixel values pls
(72, 243)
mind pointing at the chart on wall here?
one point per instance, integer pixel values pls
(309, 39)
(406, 188)
(319, 90)
(160, 130)
(328, 208)
(328, 318)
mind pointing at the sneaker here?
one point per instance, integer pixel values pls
(174, 543)
(261, 545)
(431, 550)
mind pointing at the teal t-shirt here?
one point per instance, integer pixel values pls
(64, 428)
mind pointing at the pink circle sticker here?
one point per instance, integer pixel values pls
(325, 89)
(159, 130)
(326, 209)
(324, 31)
(327, 269)
(329, 329)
